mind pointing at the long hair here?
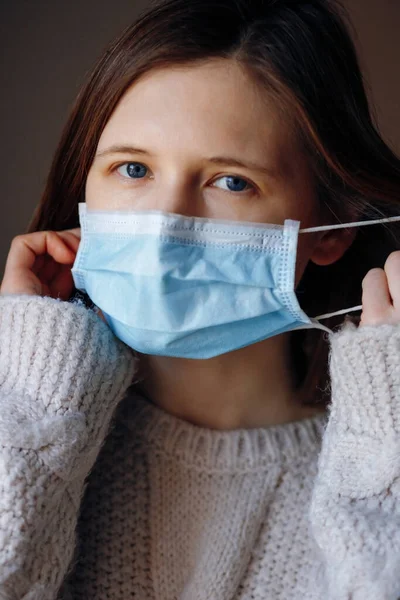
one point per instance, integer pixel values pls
(301, 52)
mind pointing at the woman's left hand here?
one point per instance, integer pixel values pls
(381, 294)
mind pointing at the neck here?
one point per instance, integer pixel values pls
(247, 388)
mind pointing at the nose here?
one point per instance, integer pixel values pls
(181, 197)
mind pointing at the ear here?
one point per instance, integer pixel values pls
(332, 245)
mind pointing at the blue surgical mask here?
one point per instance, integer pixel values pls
(191, 287)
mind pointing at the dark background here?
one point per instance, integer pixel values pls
(47, 48)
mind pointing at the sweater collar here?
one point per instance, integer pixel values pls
(220, 450)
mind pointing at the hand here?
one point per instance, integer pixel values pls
(381, 294)
(40, 264)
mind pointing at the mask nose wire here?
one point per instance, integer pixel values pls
(342, 226)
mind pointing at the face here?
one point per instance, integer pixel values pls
(204, 141)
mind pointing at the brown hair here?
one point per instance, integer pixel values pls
(301, 52)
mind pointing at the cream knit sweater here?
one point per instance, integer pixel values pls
(99, 501)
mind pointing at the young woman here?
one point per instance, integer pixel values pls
(168, 429)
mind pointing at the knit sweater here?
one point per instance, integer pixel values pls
(104, 495)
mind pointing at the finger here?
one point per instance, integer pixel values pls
(26, 248)
(45, 266)
(50, 267)
(40, 262)
(62, 284)
(392, 270)
(75, 231)
(72, 238)
(49, 270)
(376, 298)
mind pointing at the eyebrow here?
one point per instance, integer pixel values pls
(217, 160)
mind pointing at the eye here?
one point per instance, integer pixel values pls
(133, 170)
(233, 184)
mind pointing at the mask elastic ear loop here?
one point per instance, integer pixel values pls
(338, 312)
(342, 226)
(345, 225)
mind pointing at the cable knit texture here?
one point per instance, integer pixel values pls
(103, 495)
(62, 373)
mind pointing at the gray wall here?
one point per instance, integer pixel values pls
(48, 47)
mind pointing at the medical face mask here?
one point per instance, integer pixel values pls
(191, 287)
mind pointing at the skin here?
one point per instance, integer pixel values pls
(182, 118)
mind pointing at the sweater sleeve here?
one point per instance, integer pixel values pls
(355, 507)
(62, 374)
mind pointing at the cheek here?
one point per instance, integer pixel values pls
(91, 191)
(99, 195)
(305, 247)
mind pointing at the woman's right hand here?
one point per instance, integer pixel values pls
(39, 264)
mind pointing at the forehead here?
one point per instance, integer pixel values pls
(211, 107)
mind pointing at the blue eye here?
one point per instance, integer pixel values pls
(134, 170)
(233, 184)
